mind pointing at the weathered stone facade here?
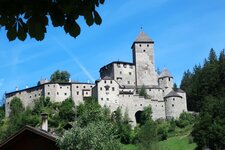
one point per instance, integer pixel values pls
(57, 92)
(119, 86)
(121, 82)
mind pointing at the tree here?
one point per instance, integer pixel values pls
(60, 76)
(209, 131)
(148, 136)
(143, 92)
(31, 17)
(16, 106)
(2, 112)
(67, 110)
(146, 115)
(175, 87)
(95, 136)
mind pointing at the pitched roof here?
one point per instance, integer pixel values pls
(142, 37)
(172, 94)
(25, 129)
(165, 73)
(180, 91)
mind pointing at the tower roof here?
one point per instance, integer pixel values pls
(142, 37)
(172, 94)
(164, 73)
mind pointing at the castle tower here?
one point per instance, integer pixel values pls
(143, 58)
(165, 80)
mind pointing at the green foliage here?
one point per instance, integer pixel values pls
(60, 76)
(33, 17)
(148, 136)
(209, 131)
(175, 87)
(67, 110)
(95, 136)
(146, 115)
(16, 106)
(122, 125)
(143, 92)
(205, 80)
(185, 119)
(2, 112)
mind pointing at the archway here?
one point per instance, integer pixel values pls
(138, 116)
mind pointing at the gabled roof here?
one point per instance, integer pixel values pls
(142, 37)
(180, 91)
(165, 73)
(172, 94)
(22, 132)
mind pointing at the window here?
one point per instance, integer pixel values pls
(128, 82)
(144, 50)
(169, 79)
(77, 87)
(140, 104)
(149, 89)
(107, 99)
(86, 93)
(173, 99)
(162, 105)
(48, 85)
(101, 88)
(35, 95)
(48, 93)
(53, 85)
(77, 93)
(57, 93)
(84, 87)
(105, 81)
(67, 87)
(91, 86)
(131, 67)
(102, 99)
(120, 72)
(65, 93)
(60, 87)
(111, 81)
(139, 45)
(30, 96)
(147, 45)
(113, 89)
(130, 73)
(172, 105)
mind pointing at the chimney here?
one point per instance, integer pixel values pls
(44, 122)
(17, 88)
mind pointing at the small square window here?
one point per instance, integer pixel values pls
(30, 96)
(172, 105)
(57, 93)
(60, 87)
(77, 86)
(128, 82)
(144, 50)
(113, 89)
(86, 93)
(101, 88)
(65, 93)
(120, 72)
(77, 93)
(139, 45)
(102, 99)
(107, 99)
(67, 87)
(147, 45)
(84, 87)
(130, 73)
(48, 93)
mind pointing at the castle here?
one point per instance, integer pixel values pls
(119, 86)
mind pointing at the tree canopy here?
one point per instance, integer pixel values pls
(23, 17)
(60, 76)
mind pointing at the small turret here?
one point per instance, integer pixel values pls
(165, 80)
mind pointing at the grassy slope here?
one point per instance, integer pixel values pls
(173, 143)
(176, 143)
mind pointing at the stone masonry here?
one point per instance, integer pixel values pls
(119, 86)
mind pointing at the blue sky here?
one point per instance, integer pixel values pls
(183, 31)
